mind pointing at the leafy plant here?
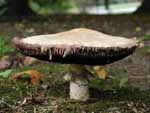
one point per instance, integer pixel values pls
(39, 6)
(2, 7)
(145, 38)
(50, 6)
(120, 82)
(113, 83)
(6, 73)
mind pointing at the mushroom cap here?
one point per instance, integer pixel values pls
(77, 46)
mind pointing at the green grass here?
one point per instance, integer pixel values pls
(5, 46)
(58, 92)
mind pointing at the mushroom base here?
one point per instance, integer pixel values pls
(79, 89)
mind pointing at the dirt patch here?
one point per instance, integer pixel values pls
(123, 25)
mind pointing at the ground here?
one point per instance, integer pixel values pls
(113, 95)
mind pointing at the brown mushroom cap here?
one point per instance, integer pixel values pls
(78, 46)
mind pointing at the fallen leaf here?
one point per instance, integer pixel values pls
(5, 58)
(30, 30)
(134, 109)
(138, 29)
(31, 76)
(100, 72)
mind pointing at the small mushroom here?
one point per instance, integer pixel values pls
(78, 46)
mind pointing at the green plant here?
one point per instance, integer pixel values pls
(2, 7)
(6, 73)
(119, 82)
(112, 83)
(7, 7)
(50, 6)
(145, 38)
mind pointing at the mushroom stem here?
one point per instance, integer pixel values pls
(79, 89)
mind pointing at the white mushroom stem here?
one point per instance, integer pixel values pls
(79, 89)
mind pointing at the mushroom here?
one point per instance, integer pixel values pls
(79, 46)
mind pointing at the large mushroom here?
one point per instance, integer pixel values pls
(78, 46)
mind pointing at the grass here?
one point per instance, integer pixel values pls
(5, 46)
(57, 92)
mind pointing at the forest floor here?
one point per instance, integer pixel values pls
(126, 89)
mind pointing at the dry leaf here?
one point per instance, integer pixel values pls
(34, 77)
(100, 72)
(5, 58)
